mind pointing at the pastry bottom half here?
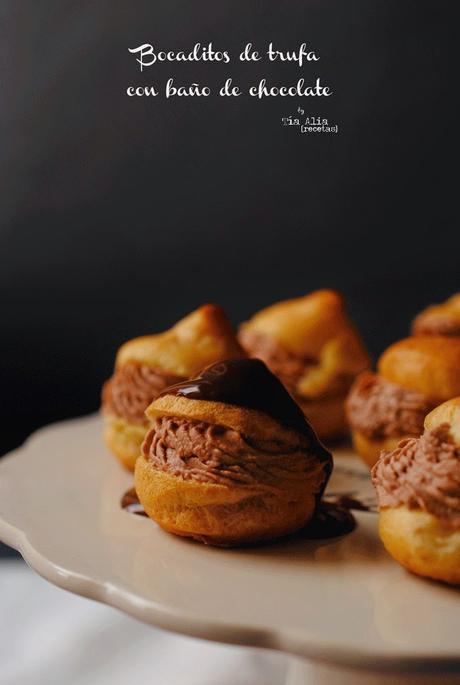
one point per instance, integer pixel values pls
(420, 543)
(218, 514)
(369, 450)
(326, 415)
(124, 439)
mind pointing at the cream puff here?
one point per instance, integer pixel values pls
(439, 319)
(230, 458)
(418, 488)
(145, 366)
(413, 376)
(312, 346)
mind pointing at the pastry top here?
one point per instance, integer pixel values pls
(439, 319)
(241, 394)
(199, 339)
(447, 413)
(317, 329)
(428, 364)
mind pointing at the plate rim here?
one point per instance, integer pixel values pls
(180, 622)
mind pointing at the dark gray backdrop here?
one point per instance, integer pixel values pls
(120, 215)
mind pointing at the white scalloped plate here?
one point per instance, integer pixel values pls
(342, 601)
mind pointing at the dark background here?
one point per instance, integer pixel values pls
(119, 215)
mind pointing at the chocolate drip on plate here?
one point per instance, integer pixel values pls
(130, 502)
(329, 521)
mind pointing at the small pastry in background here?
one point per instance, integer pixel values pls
(145, 366)
(230, 458)
(418, 488)
(413, 376)
(439, 319)
(312, 346)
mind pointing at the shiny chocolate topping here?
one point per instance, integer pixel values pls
(245, 383)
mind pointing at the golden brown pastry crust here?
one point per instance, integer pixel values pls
(245, 421)
(417, 539)
(317, 329)
(304, 325)
(217, 514)
(427, 364)
(440, 319)
(235, 513)
(369, 449)
(447, 412)
(124, 440)
(201, 338)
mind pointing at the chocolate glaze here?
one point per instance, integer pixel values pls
(248, 383)
(130, 502)
(245, 383)
(348, 501)
(329, 521)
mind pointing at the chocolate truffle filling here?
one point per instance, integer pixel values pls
(132, 388)
(199, 451)
(422, 473)
(379, 409)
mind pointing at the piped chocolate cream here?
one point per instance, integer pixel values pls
(196, 450)
(213, 453)
(379, 409)
(422, 473)
(132, 388)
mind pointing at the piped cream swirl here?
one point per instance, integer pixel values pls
(422, 473)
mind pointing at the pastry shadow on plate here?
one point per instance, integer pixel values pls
(359, 545)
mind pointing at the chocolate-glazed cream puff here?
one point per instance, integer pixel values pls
(418, 488)
(312, 346)
(439, 319)
(413, 376)
(145, 366)
(230, 458)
